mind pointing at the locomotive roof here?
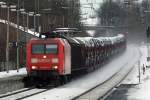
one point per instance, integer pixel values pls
(80, 41)
(66, 30)
(90, 41)
(72, 40)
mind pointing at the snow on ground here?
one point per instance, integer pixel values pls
(133, 77)
(141, 91)
(78, 86)
(144, 53)
(4, 74)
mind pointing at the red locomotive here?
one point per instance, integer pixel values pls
(58, 56)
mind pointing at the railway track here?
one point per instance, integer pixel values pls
(101, 91)
(24, 93)
(96, 93)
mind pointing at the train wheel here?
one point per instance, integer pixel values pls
(65, 79)
(88, 70)
(57, 81)
(38, 82)
(69, 78)
(28, 81)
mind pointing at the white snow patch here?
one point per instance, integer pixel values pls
(141, 91)
(4, 74)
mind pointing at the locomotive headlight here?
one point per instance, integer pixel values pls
(44, 56)
(55, 67)
(54, 60)
(34, 67)
(34, 60)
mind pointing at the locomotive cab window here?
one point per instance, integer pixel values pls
(51, 49)
(37, 49)
(44, 49)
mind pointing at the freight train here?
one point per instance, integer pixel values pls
(58, 57)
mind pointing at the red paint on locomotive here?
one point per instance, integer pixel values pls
(39, 58)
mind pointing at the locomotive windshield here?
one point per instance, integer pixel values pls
(37, 49)
(44, 49)
(51, 48)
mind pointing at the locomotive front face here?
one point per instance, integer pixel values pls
(44, 56)
(47, 55)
